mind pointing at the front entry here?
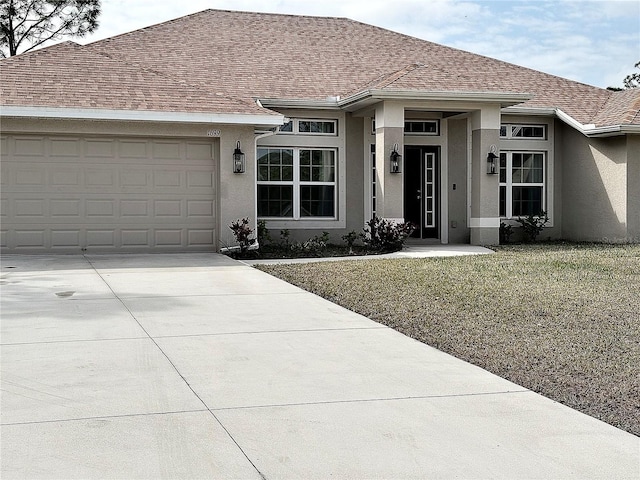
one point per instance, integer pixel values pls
(421, 190)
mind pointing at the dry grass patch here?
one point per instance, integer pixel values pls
(562, 319)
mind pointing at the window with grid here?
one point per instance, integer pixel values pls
(296, 182)
(298, 126)
(522, 183)
(520, 131)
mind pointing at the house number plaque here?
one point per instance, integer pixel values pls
(213, 133)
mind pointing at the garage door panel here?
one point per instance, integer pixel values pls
(68, 194)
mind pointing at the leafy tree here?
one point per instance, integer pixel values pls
(33, 22)
(632, 80)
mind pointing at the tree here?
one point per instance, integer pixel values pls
(31, 23)
(632, 80)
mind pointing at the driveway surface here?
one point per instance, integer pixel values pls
(198, 366)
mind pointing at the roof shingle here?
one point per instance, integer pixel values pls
(206, 61)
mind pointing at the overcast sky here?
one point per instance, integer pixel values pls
(591, 41)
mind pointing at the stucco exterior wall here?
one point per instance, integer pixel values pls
(355, 148)
(594, 186)
(458, 150)
(633, 188)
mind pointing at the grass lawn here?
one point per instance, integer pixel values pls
(560, 319)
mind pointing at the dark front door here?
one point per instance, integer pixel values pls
(421, 190)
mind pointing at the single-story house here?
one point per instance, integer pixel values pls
(156, 140)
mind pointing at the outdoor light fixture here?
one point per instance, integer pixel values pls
(395, 159)
(238, 159)
(491, 161)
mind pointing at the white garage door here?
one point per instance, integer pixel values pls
(105, 194)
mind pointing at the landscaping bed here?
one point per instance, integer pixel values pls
(560, 319)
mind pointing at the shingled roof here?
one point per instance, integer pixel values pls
(220, 61)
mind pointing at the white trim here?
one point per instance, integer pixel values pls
(493, 97)
(485, 222)
(529, 111)
(142, 115)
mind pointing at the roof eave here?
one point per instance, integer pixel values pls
(365, 97)
(591, 130)
(505, 99)
(534, 111)
(331, 103)
(612, 131)
(267, 120)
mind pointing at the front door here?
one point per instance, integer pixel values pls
(421, 190)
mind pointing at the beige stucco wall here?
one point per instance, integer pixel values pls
(594, 186)
(633, 188)
(458, 148)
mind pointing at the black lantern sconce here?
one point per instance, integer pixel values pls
(238, 159)
(492, 167)
(395, 159)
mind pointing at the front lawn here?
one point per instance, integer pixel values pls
(560, 319)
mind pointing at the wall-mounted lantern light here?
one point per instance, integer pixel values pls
(395, 159)
(238, 159)
(492, 167)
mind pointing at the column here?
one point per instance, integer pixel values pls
(485, 188)
(389, 186)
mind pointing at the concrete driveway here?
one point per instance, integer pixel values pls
(197, 366)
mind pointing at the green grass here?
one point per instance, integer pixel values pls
(560, 319)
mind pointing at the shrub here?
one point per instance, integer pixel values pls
(316, 245)
(242, 232)
(385, 236)
(284, 237)
(532, 225)
(506, 230)
(264, 237)
(350, 239)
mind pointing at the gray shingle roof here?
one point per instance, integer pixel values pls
(209, 60)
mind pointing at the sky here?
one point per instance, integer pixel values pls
(591, 41)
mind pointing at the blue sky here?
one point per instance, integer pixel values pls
(591, 41)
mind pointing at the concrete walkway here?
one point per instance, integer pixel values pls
(197, 366)
(409, 251)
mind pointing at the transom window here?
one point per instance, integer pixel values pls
(415, 127)
(516, 131)
(310, 127)
(296, 182)
(422, 127)
(522, 183)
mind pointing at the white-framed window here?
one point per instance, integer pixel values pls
(415, 127)
(296, 182)
(304, 126)
(513, 131)
(422, 127)
(522, 183)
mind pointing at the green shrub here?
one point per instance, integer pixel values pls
(316, 245)
(532, 225)
(384, 236)
(506, 230)
(264, 237)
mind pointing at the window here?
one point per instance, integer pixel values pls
(422, 127)
(522, 183)
(516, 131)
(310, 127)
(296, 182)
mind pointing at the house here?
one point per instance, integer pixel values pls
(133, 143)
